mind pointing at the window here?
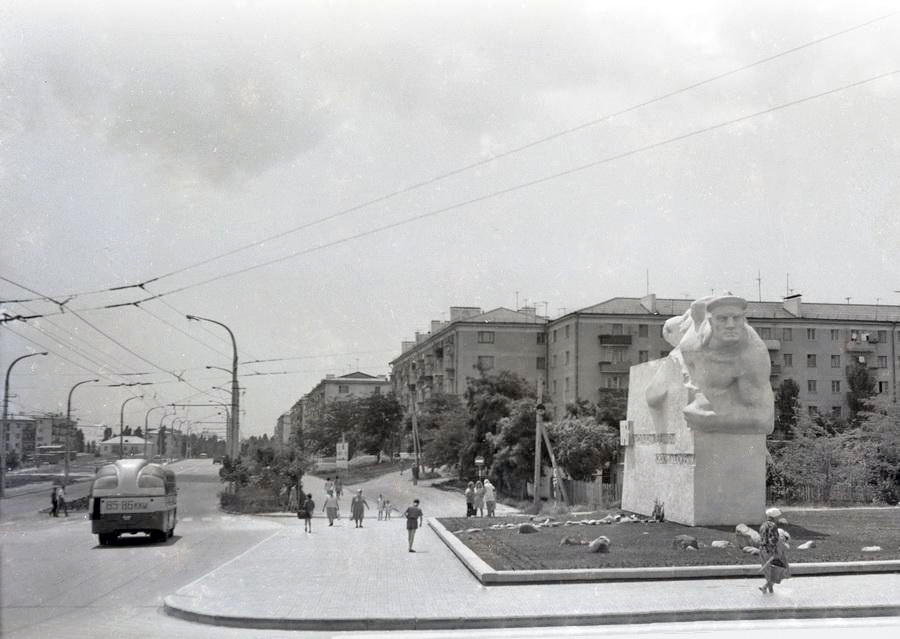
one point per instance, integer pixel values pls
(554, 361)
(835, 361)
(882, 336)
(882, 361)
(376, 390)
(643, 356)
(614, 381)
(788, 360)
(567, 358)
(541, 363)
(567, 331)
(541, 338)
(811, 386)
(787, 334)
(616, 329)
(836, 411)
(618, 356)
(567, 384)
(554, 386)
(835, 335)
(485, 362)
(835, 386)
(343, 388)
(883, 387)
(554, 335)
(810, 361)
(811, 333)
(643, 330)
(765, 332)
(485, 337)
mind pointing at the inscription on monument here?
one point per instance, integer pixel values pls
(654, 438)
(681, 459)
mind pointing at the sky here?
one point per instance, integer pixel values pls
(325, 178)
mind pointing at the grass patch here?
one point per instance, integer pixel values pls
(839, 536)
(360, 474)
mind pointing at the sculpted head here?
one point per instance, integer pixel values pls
(727, 321)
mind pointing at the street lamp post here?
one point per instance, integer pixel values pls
(234, 429)
(3, 422)
(69, 426)
(147, 428)
(122, 425)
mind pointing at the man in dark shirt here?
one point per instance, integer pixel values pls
(413, 516)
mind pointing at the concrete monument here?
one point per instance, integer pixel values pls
(697, 420)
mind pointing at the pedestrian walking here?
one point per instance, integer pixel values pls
(307, 508)
(387, 509)
(478, 501)
(329, 485)
(61, 500)
(413, 516)
(358, 506)
(338, 487)
(54, 504)
(470, 499)
(772, 551)
(293, 502)
(331, 507)
(380, 506)
(490, 497)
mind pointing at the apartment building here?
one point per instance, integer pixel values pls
(471, 342)
(591, 350)
(331, 389)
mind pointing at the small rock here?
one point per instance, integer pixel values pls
(806, 545)
(607, 520)
(572, 541)
(527, 528)
(721, 543)
(691, 548)
(751, 550)
(871, 549)
(473, 530)
(600, 544)
(684, 541)
(746, 536)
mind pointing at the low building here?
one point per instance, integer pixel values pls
(127, 446)
(331, 389)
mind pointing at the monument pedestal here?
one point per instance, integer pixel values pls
(701, 478)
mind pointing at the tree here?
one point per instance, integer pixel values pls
(443, 429)
(12, 459)
(877, 443)
(380, 421)
(489, 398)
(79, 444)
(138, 432)
(786, 408)
(612, 406)
(583, 445)
(107, 433)
(339, 420)
(861, 387)
(512, 456)
(126, 431)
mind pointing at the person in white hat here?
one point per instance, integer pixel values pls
(772, 551)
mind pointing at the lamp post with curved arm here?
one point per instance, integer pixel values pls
(234, 429)
(69, 426)
(147, 428)
(122, 425)
(3, 422)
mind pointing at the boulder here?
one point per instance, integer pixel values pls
(806, 545)
(721, 543)
(527, 528)
(683, 542)
(746, 536)
(600, 544)
(751, 550)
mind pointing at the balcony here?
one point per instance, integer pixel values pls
(773, 344)
(615, 340)
(776, 370)
(860, 346)
(615, 367)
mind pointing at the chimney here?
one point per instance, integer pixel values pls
(530, 311)
(792, 304)
(437, 325)
(421, 337)
(405, 346)
(649, 302)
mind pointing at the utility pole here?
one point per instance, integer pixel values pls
(3, 422)
(539, 417)
(69, 426)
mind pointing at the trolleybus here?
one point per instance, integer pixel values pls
(133, 496)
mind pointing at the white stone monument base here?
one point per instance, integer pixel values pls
(700, 478)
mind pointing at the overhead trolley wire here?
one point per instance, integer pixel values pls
(459, 170)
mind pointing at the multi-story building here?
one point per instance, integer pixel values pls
(471, 342)
(20, 437)
(331, 389)
(282, 428)
(591, 350)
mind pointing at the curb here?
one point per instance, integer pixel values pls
(489, 576)
(535, 621)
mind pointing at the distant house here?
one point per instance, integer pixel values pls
(334, 389)
(131, 446)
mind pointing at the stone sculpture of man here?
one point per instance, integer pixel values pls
(725, 366)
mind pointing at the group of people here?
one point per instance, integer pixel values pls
(358, 506)
(478, 495)
(58, 501)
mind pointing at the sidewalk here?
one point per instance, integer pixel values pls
(344, 578)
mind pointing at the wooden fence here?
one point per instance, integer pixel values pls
(819, 495)
(583, 493)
